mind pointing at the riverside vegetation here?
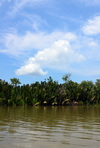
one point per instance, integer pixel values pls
(49, 92)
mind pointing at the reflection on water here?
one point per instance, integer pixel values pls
(46, 127)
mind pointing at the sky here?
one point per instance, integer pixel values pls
(43, 38)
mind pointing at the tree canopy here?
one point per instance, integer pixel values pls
(50, 92)
(15, 81)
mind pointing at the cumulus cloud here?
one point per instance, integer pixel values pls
(59, 52)
(30, 69)
(50, 51)
(58, 56)
(92, 27)
(17, 44)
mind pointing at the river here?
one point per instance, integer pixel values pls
(50, 127)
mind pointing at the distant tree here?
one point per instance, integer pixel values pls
(66, 77)
(87, 92)
(15, 81)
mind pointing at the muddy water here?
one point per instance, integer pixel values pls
(50, 127)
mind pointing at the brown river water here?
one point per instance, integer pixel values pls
(50, 127)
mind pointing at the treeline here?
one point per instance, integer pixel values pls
(49, 92)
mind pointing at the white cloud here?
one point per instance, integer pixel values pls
(58, 56)
(56, 50)
(93, 44)
(30, 69)
(92, 27)
(17, 45)
(59, 52)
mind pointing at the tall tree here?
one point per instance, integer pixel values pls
(66, 77)
(15, 81)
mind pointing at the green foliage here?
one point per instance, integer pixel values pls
(15, 81)
(49, 92)
(66, 77)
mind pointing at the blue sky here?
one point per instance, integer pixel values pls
(42, 38)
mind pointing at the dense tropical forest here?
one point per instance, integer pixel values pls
(49, 92)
